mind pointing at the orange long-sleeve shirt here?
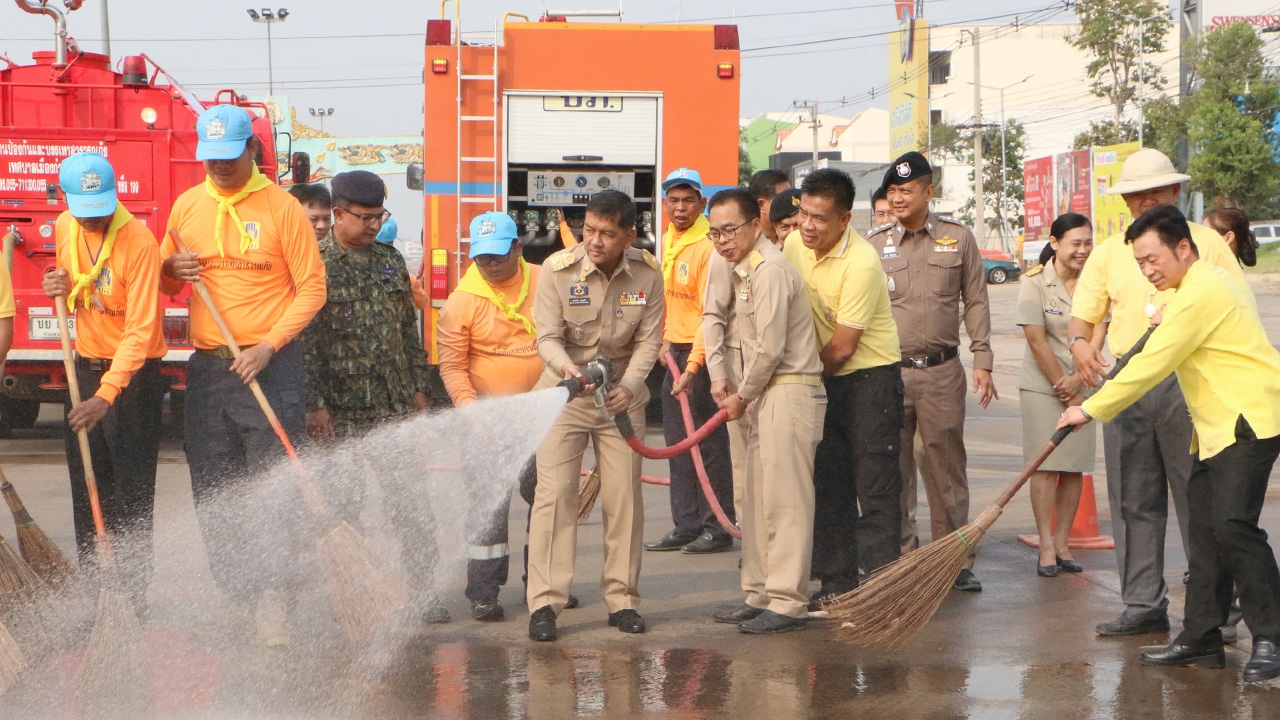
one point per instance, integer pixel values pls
(269, 292)
(684, 288)
(481, 352)
(126, 329)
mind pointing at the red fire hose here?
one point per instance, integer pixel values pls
(689, 444)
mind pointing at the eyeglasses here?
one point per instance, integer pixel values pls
(486, 260)
(369, 218)
(727, 233)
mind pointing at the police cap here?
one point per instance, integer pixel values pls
(359, 187)
(784, 205)
(908, 167)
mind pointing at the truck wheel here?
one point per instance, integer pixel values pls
(17, 414)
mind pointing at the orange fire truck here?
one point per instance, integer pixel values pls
(143, 121)
(536, 117)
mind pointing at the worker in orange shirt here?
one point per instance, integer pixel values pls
(107, 268)
(488, 348)
(251, 244)
(686, 255)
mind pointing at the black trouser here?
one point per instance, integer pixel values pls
(857, 479)
(250, 521)
(124, 447)
(488, 555)
(690, 510)
(1225, 495)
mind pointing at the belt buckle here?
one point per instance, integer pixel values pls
(920, 363)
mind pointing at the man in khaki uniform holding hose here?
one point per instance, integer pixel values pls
(933, 266)
(781, 389)
(601, 297)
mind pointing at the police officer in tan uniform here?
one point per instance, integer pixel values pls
(781, 391)
(933, 265)
(601, 297)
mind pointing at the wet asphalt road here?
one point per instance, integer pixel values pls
(1023, 648)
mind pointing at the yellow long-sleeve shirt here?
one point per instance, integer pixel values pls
(1213, 338)
(1111, 281)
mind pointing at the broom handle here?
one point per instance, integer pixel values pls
(82, 435)
(309, 491)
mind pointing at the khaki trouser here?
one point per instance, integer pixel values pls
(777, 525)
(934, 407)
(739, 433)
(553, 523)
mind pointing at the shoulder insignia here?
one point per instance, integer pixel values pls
(1034, 271)
(950, 219)
(755, 258)
(563, 260)
(880, 229)
(650, 260)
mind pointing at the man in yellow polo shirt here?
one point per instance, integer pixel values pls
(686, 255)
(1212, 338)
(1143, 449)
(857, 478)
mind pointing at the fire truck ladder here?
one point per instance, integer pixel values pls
(470, 168)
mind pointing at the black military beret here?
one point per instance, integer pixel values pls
(784, 205)
(906, 168)
(359, 187)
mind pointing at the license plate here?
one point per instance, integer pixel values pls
(46, 328)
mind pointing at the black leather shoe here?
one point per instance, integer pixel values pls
(967, 582)
(1183, 656)
(707, 544)
(1264, 664)
(737, 615)
(771, 623)
(627, 621)
(1070, 566)
(542, 624)
(670, 541)
(1131, 624)
(572, 603)
(1047, 570)
(1230, 634)
(486, 611)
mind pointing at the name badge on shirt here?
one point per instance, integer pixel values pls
(744, 296)
(578, 295)
(633, 299)
(889, 251)
(1052, 311)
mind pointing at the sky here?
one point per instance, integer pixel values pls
(365, 59)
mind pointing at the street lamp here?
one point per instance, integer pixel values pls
(269, 18)
(1142, 65)
(1004, 158)
(321, 113)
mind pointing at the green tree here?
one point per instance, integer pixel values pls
(995, 212)
(1121, 50)
(745, 169)
(1106, 132)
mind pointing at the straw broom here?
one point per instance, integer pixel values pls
(12, 662)
(365, 592)
(42, 554)
(588, 491)
(899, 598)
(116, 658)
(19, 584)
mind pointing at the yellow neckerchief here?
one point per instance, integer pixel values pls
(473, 282)
(696, 232)
(84, 281)
(227, 206)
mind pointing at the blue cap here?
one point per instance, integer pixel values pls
(389, 232)
(90, 185)
(683, 176)
(492, 233)
(222, 131)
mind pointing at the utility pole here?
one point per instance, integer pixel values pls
(106, 31)
(813, 113)
(979, 222)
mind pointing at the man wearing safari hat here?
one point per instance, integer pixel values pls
(108, 269)
(1147, 445)
(251, 244)
(686, 256)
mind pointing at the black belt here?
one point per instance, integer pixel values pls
(928, 361)
(685, 347)
(93, 363)
(222, 351)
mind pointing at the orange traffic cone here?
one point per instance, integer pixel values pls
(1084, 534)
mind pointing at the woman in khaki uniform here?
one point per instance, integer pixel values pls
(1049, 383)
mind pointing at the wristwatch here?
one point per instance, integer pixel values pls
(1073, 340)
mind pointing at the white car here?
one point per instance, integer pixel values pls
(1266, 232)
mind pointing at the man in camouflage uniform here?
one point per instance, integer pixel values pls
(365, 363)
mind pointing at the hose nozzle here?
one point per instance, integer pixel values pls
(597, 372)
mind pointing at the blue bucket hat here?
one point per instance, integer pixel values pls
(492, 233)
(223, 131)
(89, 182)
(389, 232)
(683, 176)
